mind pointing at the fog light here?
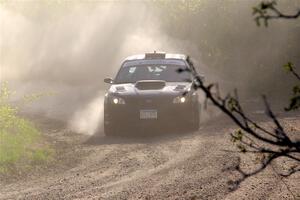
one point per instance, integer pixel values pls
(182, 99)
(179, 99)
(116, 100)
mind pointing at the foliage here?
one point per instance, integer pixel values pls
(272, 143)
(295, 99)
(225, 41)
(20, 140)
(252, 137)
(29, 98)
(267, 10)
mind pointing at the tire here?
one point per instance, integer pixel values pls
(109, 130)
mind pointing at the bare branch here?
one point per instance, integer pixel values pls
(252, 137)
(266, 11)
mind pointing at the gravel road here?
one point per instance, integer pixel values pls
(173, 166)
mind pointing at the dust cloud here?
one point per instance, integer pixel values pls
(69, 47)
(89, 118)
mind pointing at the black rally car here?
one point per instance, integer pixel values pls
(148, 93)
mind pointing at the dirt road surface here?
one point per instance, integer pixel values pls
(173, 166)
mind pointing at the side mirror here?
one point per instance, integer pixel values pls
(108, 80)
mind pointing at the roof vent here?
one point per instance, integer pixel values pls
(155, 55)
(150, 85)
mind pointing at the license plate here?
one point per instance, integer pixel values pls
(148, 114)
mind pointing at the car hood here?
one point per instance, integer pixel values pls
(168, 88)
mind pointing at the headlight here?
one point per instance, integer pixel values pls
(118, 100)
(179, 99)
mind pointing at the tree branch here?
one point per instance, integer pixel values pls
(267, 11)
(259, 139)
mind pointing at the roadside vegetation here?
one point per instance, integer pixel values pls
(21, 143)
(268, 143)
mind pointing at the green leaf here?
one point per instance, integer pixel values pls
(288, 67)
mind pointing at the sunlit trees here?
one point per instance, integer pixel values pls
(272, 142)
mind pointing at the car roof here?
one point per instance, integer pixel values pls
(157, 55)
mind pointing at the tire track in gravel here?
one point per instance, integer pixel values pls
(114, 165)
(187, 166)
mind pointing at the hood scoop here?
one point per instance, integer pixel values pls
(150, 85)
(120, 88)
(180, 87)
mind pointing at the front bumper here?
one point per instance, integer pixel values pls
(170, 116)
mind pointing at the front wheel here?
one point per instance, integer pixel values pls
(109, 130)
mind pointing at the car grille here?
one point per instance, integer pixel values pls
(149, 102)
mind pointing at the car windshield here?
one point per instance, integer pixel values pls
(166, 72)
